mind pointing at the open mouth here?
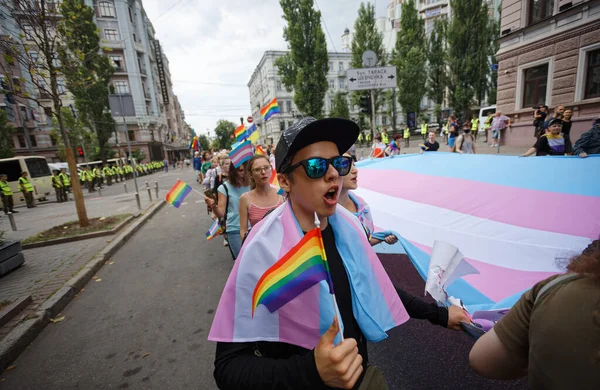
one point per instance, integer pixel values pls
(331, 195)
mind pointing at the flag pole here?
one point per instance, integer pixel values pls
(335, 305)
(193, 189)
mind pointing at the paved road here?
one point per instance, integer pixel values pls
(159, 297)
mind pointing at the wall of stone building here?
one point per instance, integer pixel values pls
(563, 50)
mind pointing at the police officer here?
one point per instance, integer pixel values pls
(58, 186)
(66, 182)
(107, 174)
(424, 129)
(88, 177)
(6, 194)
(97, 176)
(406, 136)
(27, 190)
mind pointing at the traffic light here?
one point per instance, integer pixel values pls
(365, 104)
(80, 152)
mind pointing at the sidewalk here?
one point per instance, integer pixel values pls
(47, 269)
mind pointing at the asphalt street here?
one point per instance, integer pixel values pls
(143, 323)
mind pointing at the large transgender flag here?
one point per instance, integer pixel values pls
(516, 220)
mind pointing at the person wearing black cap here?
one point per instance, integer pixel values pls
(549, 144)
(310, 165)
(589, 142)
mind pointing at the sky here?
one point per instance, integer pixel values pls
(213, 48)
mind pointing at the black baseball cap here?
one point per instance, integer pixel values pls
(308, 130)
(555, 122)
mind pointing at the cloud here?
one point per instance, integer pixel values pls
(214, 47)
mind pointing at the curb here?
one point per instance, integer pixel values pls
(23, 334)
(80, 237)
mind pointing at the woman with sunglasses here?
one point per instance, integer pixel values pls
(254, 205)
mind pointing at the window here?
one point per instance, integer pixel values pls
(330, 66)
(12, 168)
(61, 86)
(331, 85)
(107, 9)
(131, 135)
(37, 167)
(111, 34)
(33, 142)
(540, 10)
(55, 60)
(121, 87)
(342, 85)
(290, 123)
(384, 120)
(592, 75)
(135, 37)
(53, 140)
(21, 139)
(130, 14)
(28, 32)
(282, 125)
(23, 111)
(535, 84)
(341, 66)
(288, 106)
(34, 56)
(118, 63)
(278, 85)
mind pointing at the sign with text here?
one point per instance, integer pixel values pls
(161, 72)
(371, 78)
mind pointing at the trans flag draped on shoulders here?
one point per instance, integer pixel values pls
(302, 321)
(515, 220)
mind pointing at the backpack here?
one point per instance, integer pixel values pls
(562, 279)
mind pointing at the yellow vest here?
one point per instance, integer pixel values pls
(65, 179)
(423, 128)
(475, 124)
(407, 133)
(56, 182)
(384, 138)
(5, 188)
(25, 183)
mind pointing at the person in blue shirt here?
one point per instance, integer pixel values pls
(198, 166)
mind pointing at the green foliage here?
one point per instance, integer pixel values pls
(224, 131)
(304, 67)
(215, 144)
(204, 143)
(87, 69)
(79, 135)
(340, 106)
(367, 37)
(139, 155)
(7, 147)
(494, 33)
(468, 48)
(410, 58)
(437, 78)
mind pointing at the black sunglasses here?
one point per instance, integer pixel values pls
(316, 167)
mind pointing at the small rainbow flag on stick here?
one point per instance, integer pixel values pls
(240, 132)
(241, 153)
(260, 151)
(177, 193)
(215, 230)
(270, 109)
(301, 268)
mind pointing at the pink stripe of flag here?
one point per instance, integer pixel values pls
(242, 153)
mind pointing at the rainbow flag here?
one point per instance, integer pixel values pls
(260, 151)
(177, 193)
(275, 183)
(240, 132)
(194, 144)
(215, 230)
(241, 154)
(270, 109)
(299, 269)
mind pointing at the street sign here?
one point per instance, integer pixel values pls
(369, 58)
(371, 78)
(249, 119)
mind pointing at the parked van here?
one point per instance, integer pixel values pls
(38, 172)
(483, 114)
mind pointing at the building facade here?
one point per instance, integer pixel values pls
(549, 54)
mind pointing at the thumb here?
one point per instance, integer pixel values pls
(329, 336)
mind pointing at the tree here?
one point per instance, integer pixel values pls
(204, 142)
(437, 79)
(304, 68)
(467, 51)
(138, 155)
(367, 37)
(33, 41)
(410, 58)
(7, 147)
(79, 135)
(340, 106)
(87, 69)
(224, 132)
(494, 27)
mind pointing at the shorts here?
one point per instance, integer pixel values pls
(198, 172)
(451, 141)
(495, 133)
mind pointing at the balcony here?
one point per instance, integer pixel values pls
(139, 46)
(113, 44)
(120, 71)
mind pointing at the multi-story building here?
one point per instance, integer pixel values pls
(265, 84)
(141, 71)
(549, 54)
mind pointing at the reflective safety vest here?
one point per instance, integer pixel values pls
(5, 188)
(384, 138)
(360, 137)
(488, 123)
(407, 133)
(115, 171)
(475, 124)
(424, 128)
(65, 179)
(107, 171)
(120, 170)
(23, 182)
(96, 172)
(56, 182)
(87, 176)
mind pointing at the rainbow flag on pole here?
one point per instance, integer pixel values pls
(260, 151)
(240, 132)
(241, 153)
(177, 193)
(299, 269)
(215, 230)
(270, 109)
